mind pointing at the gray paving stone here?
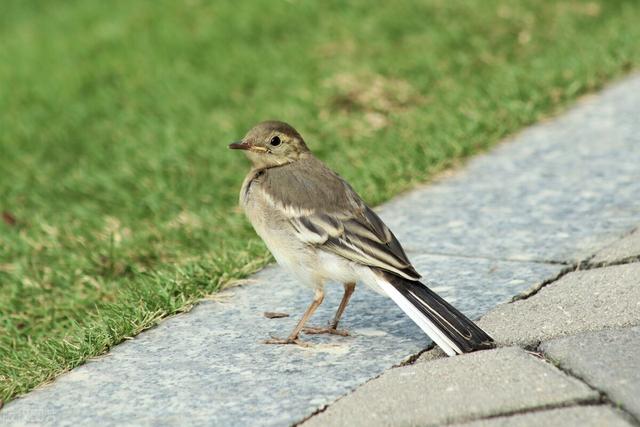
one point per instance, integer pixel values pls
(624, 249)
(456, 389)
(559, 191)
(209, 367)
(608, 360)
(582, 301)
(577, 416)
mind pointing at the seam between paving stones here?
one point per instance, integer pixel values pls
(604, 397)
(584, 265)
(588, 265)
(533, 410)
(529, 411)
(533, 291)
(623, 261)
(571, 268)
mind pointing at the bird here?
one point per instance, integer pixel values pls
(320, 230)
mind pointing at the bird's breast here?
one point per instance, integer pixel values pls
(275, 229)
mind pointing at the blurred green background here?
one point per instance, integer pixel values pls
(117, 192)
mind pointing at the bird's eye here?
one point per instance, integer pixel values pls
(275, 141)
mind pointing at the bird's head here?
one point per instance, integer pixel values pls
(271, 144)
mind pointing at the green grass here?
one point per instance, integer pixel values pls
(117, 190)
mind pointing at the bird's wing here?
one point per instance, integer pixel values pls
(362, 238)
(338, 221)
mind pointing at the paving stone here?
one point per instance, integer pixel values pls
(211, 366)
(582, 301)
(624, 249)
(559, 191)
(608, 360)
(577, 416)
(456, 389)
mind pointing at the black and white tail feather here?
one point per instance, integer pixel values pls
(445, 325)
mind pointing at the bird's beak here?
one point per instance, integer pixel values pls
(241, 145)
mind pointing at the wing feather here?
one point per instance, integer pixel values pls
(330, 215)
(355, 238)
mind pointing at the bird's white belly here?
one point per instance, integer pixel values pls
(314, 267)
(336, 268)
(310, 265)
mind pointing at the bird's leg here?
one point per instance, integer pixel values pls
(349, 288)
(333, 326)
(293, 337)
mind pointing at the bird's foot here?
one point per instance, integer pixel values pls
(280, 341)
(325, 330)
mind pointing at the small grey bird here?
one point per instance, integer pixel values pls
(319, 229)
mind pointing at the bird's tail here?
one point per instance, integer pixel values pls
(444, 324)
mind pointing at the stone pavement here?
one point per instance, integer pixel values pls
(569, 356)
(517, 221)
